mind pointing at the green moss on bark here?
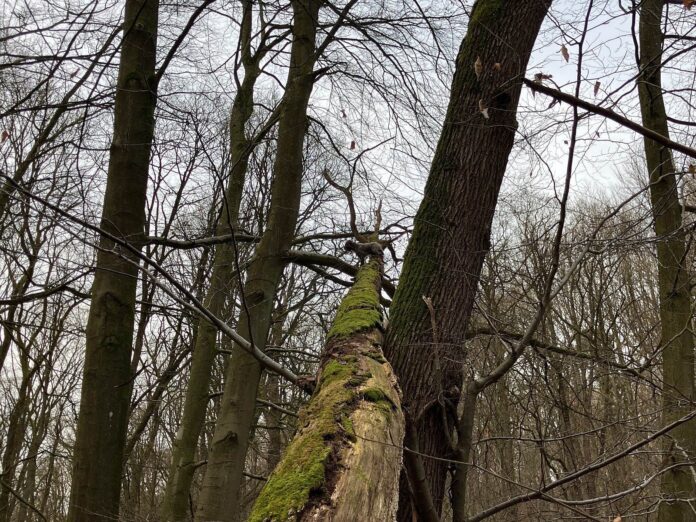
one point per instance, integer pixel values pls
(302, 471)
(326, 423)
(360, 308)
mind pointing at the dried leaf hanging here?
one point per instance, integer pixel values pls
(565, 53)
(596, 87)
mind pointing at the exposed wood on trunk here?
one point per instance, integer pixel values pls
(344, 462)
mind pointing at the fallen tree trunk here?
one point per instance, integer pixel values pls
(345, 459)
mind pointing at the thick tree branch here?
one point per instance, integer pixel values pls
(611, 115)
(300, 257)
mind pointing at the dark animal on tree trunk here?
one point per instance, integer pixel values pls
(362, 250)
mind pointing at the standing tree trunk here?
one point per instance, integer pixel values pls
(344, 462)
(104, 404)
(673, 279)
(452, 230)
(219, 499)
(222, 283)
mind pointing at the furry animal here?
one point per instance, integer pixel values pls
(362, 250)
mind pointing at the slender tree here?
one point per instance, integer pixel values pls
(678, 482)
(223, 475)
(105, 394)
(222, 283)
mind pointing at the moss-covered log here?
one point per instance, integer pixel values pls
(344, 462)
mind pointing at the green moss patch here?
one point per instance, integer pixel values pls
(304, 475)
(302, 471)
(360, 308)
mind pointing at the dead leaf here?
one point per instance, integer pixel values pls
(692, 168)
(617, 519)
(596, 87)
(483, 109)
(565, 53)
(496, 66)
(4, 136)
(352, 145)
(688, 4)
(478, 67)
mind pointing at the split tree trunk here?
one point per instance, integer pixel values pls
(673, 279)
(344, 462)
(104, 404)
(452, 228)
(222, 283)
(219, 498)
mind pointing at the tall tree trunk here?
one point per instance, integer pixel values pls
(16, 432)
(673, 281)
(105, 396)
(344, 462)
(222, 283)
(452, 227)
(221, 484)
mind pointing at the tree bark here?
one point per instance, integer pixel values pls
(219, 498)
(673, 280)
(105, 395)
(222, 284)
(452, 227)
(344, 462)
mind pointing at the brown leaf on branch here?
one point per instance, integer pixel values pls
(565, 53)
(596, 87)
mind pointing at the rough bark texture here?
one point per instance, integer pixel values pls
(452, 227)
(219, 495)
(176, 506)
(103, 418)
(673, 280)
(16, 431)
(344, 462)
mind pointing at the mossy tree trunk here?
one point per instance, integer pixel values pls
(219, 498)
(673, 279)
(452, 227)
(176, 505)
(105, 396)
(344, 462)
